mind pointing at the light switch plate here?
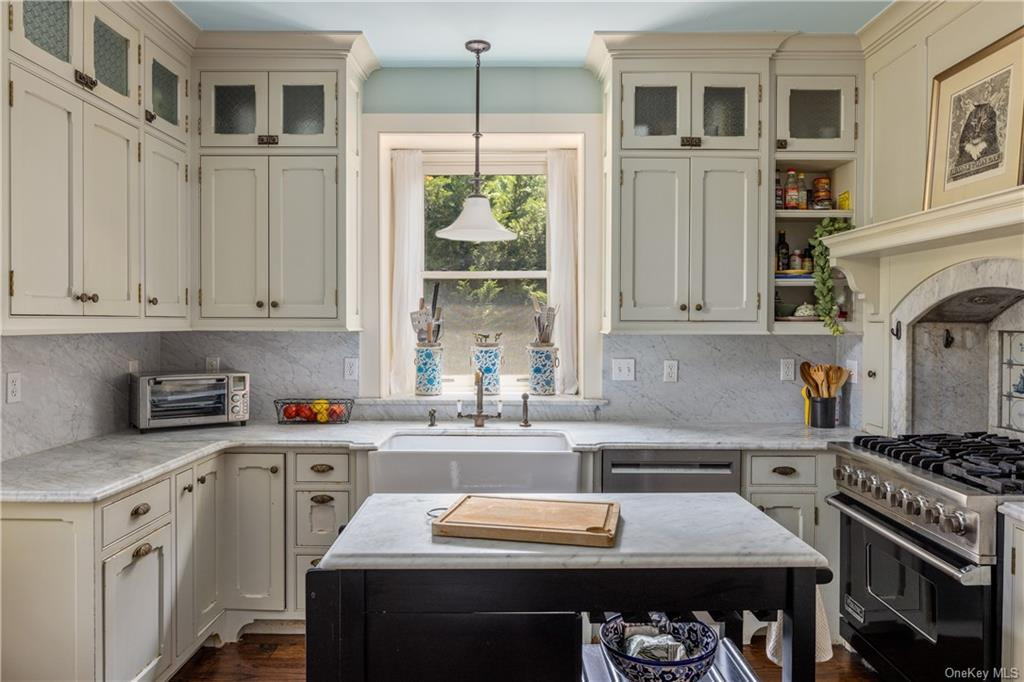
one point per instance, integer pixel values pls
(670, 371)
(14, 387)
(623, 369)
(854, 368)
(133, 366)
(787, 369)
(351, 369)
(212, 364)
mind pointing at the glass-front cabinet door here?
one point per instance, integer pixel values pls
(655, 110)
(725, 110)
(111, 57)
(234, 109)
(816, 113)
(49, 32)
(304, 108)
(166, 103)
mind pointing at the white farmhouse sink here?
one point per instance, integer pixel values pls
(474, 462)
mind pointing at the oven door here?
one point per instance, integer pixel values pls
(912, 609)
(186, 401)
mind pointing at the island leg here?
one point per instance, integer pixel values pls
(798, 623)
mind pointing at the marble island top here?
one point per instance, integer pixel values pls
(93, 469)
(656, 530)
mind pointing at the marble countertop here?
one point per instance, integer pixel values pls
(93, 469)
(1015, 510)
(656, 530)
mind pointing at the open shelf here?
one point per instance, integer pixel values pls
(810, 214)
(813, 328)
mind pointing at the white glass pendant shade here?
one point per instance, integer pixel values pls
(476, 223)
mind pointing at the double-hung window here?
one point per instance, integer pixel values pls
(487, 288)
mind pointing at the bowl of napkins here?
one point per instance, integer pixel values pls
(660, 651)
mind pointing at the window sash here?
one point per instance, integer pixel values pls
(486, 274)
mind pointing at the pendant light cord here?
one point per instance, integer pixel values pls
(477, 135)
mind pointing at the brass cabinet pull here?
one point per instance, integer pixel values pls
(141, 509)
(784, 471)
(699, 306)
(321, 499)
(85, 80)
(274, 469)
(259, 304)
(202, 479)
(145, 549)
(154, 301)
(761, 508)
(274, 304)
(321, 468)
(188, 488)
(150, 116)
(682, 307)
(314, 563)
(266, 139)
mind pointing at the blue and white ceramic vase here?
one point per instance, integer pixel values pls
(543, 361)
(487, 361)
(429, 369)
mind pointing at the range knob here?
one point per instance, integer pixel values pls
(841, 471)
(933, 512)
(955, 523)
(880, 491)
(897, 497)
(866, 483)
(852, 477)
(912, 506)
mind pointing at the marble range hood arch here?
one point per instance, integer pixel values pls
(977, 290)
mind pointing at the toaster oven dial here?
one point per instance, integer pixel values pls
(236, 398)
(955, 523)
(236, 409)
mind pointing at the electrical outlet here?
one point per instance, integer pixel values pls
(854, 368)
(787, 369)
(212, 363)
(670, 372)
(133, 366)
(351, 369)
(14, 387)
(623, 369)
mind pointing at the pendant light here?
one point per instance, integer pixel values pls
(476, 223)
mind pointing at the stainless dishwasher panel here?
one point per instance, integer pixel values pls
(671, 471)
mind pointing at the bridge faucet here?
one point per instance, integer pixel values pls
(479, 417)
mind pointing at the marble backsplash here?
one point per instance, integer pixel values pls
(950, 385)
(73, 387)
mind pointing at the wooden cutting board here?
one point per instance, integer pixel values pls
(559, 522)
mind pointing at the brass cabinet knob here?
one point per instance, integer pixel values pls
(683, 307)
(259, 304)
(699, 306)
(187, 489)
(153, 301)
(202, 479)
(872, 374)
(321, 499)
(83, 297)
(321, 468)
(274, 469)
(141, 509)
(145, 549)
(274, 304)
(314, 563)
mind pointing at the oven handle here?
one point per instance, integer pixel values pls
(969, 576)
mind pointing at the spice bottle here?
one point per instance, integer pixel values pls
(792, 197)
(802, 196)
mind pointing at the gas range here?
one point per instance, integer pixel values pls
(946, 487)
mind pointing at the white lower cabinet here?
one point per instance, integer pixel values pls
(319, 516)
(254, 524)
(206, 543)
(137, 608)
(1013, 595)
(793, 511)
(303, 562)
(184, 560)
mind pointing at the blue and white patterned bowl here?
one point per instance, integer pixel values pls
(701, 639)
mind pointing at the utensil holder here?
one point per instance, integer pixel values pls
(429, 369)
(487, 361)
(823, 413)
(543, 361)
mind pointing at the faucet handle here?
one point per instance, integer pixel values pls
(526, 411)
(432, 417)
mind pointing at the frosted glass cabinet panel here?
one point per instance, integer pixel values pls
(655, 109)
(166, 97)
(49, 32)
(816, 113)
(111, 57)
(725, 111)
(234, 106)
(303, 108)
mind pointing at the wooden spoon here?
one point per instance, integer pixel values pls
(837, 377)
(805, 374)
(820, 375)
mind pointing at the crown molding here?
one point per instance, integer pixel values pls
(168, 19)
(349, 45)
(897, 18)
(821, 46)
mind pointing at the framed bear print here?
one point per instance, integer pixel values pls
(976, 132)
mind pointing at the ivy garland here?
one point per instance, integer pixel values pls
(824, 294)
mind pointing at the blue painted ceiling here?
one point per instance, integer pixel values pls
(419, 34)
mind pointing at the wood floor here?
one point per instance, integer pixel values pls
(280, 658)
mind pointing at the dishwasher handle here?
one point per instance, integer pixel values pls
(682, 468)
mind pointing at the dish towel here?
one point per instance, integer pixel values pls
(822, 635)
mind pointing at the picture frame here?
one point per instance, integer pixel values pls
(976, 125)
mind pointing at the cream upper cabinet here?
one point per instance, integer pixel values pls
(655, 110)
(725, 110)
(111, 57)
(137, 600)
(304, 108)
(110, 188)
(723, 239)
(234, 108)
(254, 488)
(166, 94)
(206, 547)
(816, 113)
(234, 236)
(46, 197)
(49, 32)
(166, 225)
(875, 377)
(184, 560)
(303, 237)
(654, 250)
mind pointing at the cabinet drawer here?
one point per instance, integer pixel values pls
(768, 470)
(319, 515)
(303, 562)
(135, 511)
(315, 468)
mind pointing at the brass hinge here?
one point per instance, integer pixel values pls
(856, 130)
(759, 128)
(199, 125)
(186, 172)
(200, 181)
(622, 128)
(759, 300)
(200, 299)
(856, 95)
(335, 298)
(10, 93)
(815, 515)
(759, 93)
(622, 177)
(335, 171)
(758, 177)
(186, 88)
(140, 292)
(140, 152)
(140, 53)
(620, 299)
(10, 282)
(186, 295)
(335, 125)
(10, 16)
(1013, 550)
(200, 89)
(186, 123)
(140, 95)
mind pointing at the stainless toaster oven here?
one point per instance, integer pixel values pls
(166, 399)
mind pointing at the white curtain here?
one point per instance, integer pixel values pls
(407, 266)
(563, 209)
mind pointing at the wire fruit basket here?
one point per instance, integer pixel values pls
(313, 410)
